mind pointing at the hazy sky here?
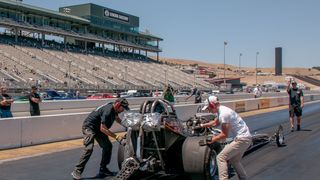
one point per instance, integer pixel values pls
(197, 30)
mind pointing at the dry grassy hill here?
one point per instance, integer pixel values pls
(248, 75)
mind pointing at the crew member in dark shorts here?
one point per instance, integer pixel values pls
(197, 95)
(97, 126)
(5, 103)
(34, 100)
(296, 104)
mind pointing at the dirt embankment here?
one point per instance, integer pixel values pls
(247, 74)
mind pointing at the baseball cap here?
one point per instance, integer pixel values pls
(34, 87)
(211, 99)
(124, 103)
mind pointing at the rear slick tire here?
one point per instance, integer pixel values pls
(199, 162)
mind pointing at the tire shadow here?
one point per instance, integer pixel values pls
(282, 145)
(97, 177)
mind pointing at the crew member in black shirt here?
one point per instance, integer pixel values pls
(34, 100)
(197, 95)
(5, 103)
(97, 126)
(296, 104)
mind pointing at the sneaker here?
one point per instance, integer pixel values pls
(298, 127)
(106, 172)
(292, 129)
(76, 175)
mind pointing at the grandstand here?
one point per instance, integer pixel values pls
(99, 48)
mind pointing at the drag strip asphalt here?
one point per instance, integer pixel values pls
(299, 159)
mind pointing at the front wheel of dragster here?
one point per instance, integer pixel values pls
(199, 162)
(279, 136)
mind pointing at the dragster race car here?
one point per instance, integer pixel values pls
(159, 144)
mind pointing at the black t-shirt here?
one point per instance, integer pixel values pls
(3, 97)
(197, 94)
(34, 106)
(294, 96)
(104, 114)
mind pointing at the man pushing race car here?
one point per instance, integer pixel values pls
(231, 123)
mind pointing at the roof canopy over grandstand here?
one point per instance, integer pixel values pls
(82, 25)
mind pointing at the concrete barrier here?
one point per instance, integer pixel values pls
(10, 133)
(78, 104)
(26, 131)
(307, 98)
(240, 106)
(252, 105)
(43, 129)
(84, 103)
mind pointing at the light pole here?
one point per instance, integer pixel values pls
(69, 71)
(240, 63)
(126, 73)
(165, 76)
(224, 61)
(257, 53)
(194, 78)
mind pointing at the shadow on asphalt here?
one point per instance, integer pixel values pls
(282, 145)
(97, 177)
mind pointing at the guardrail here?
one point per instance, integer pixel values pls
(78, 104)
(26, 131)
(82, 103)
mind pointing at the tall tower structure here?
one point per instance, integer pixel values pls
(278, 63)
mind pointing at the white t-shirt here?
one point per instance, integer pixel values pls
(239, 128)
(257, 91)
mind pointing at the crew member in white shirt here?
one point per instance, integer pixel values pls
(233, 126)
(257, 91)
